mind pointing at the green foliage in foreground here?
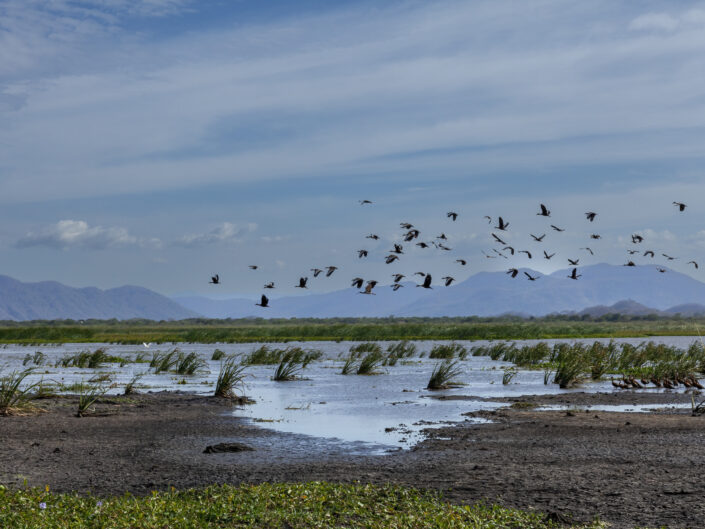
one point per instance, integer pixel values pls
(350, 329)
(301, 505)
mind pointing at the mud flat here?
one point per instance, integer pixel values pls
(630, 469)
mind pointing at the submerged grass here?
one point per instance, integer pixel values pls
(230, 377)
(448, 351)
(296, 505)
(443, 374)
(370, 363)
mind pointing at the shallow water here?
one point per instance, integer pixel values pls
(380, 412)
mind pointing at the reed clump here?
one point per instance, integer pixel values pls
(15, 396)
(443, 374)
(231, 376)
(448, 351)
(293, 361)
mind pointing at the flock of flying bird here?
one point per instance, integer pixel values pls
(411, 234)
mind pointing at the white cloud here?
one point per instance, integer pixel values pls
(227, 232)
(77, 233)
(658, 21)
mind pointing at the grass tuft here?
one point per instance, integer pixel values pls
(230, 377)
(443, 373)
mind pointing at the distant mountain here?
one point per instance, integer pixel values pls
(627, 307)
(49, 300)
(687, 309)
(484, 294)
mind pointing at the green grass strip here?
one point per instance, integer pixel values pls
(301, 505)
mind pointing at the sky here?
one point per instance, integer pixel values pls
(158, 142)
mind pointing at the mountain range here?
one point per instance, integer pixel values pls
(601, 290)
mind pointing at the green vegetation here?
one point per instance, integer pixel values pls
(217, 355)
(370, 362)
(352, 329)
(448, 351)
(14, 398)
(443, 373)
(230, 377)
(365, 347)
(37, 358)
(293, 361)
(176, 361)
(90, 360)
(88, 394)
(295, 505)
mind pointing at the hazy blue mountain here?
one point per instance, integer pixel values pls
(483, 294)
(49, 300)
(687, 309)
(627, 307)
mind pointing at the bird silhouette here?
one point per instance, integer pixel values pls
(422, 274)
(406, 225)
(368, 288)
(527, 252)
(513, 272)
(462, 262)
(253, 267)
(501, 225)
(357, 282)
(372, 236)
(442, 236)
(539, 238)
(398, 248)
(443, 247)
(498, 239)
(544, 211)
(488, 255)
(396, 286)
(531, 278)
(557, 228)
(316, 271)
(574, 274)
(629, 263)
(662, 270)
(595, 236)
(362, 253)
(489, 219)
(680, 205)
(669, 257)
(694, 264)
(636, 239)
(391, 258)
(511, 250)
(448, 280)
(330, 270)
(302, 282)
(632, 252)
(591, 215)
(264, 302)
(363, 202)
(215, 280)
(547, 256)
(269, 285)
(422, 244)
(589, 250)
(426, 282)
(452, 215)
(398, 277)
(573, 262)
(411, 235)
(649, 253)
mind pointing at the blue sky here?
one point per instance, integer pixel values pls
(158, 142)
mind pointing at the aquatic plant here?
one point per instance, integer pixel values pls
(403, 349)
(292, 362)
(38, 358)
(14, 398)
(230, 377)
(130, 386)
(447, 351)
(365, 347)
(88, 394)
(443, 373)
(188, 364)
(217, 355)
(570, 369)
(350, 365)
(164, 361)
(369, 363)
(508, 375)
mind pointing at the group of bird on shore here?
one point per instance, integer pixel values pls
(410, 235)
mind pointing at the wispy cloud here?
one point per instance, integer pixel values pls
(227, 232)
(78, 234)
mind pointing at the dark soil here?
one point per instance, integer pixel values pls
(631, 469)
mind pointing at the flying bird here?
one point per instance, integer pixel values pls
(662, 270)
(396, 286)
(511, 250)
(589, 250)
(330, 270)
(595, 236)
(498, 239)
(488, 255)
(316, 271)
(422, 244)
(372, 236)
(557, 228)
(649, 253)
(499, 253)
(630, 263)
(391, 258)
(513, 272)
(253, 267)
(528, 253)
(573, 262)
(537, 239)
(462, 262)
(368, 288)
(590, 215)
(422, 274)
(694, 264)
(489, 219)
(426, 282)
(544, 211)
(448, 280)
(442, 236)
(362, 253)
(398, 277)
(501, 225)
(636, 239)
(269, 285)
(411, 235)
(264, 302)
(406, 225)
(547, 256)
(632, 252)
(363, 202)
(452, 215)
(574, 274)
(531, 278)
(443, 247)
(302, 282)
(397, 248)
(680, 205)
(215, 280)
(357, 282)
(669, 257)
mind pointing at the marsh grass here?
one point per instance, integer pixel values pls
(443, 373)
(38, 358)
(130, 386)
(369, 363)
(90, 360)
(164, 361)
(293, 361)
(230, 377)
(508, 375)
(403, 349)
(217, 355)
(189, 364)
(365, 347)
(350, 365)
(448, 351)
(15, 396)
(88, 394)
